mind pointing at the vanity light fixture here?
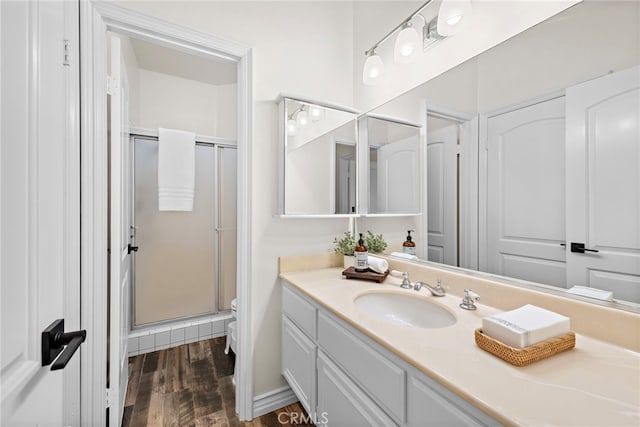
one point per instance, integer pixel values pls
(406, 44)
(302, 117)
(451, 17)
(373, 70)
(292, 127)
(315, 113)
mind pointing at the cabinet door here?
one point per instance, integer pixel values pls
(299, 364)
(426, 407)
(341, 402)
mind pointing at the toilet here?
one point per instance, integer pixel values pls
(231, 330)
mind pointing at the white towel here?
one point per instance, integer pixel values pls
(176, 169)
(378, 265)
(525, 326)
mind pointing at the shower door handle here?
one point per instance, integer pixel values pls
(132, 248)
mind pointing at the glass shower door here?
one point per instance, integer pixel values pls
(175, 272)
(226, 229)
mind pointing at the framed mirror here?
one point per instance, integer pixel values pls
(539, 143)
(318, 153)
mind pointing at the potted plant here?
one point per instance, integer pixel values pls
(346, 246)
(375, 243)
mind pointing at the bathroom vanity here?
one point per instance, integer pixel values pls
(349, 366)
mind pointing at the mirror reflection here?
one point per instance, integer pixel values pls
(319, 159)
(394, 159)
(534, 154)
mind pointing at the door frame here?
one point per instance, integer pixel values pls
(96, 18)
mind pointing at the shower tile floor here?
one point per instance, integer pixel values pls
(189, 385)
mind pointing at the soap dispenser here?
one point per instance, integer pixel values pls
(409, 247)
(362, 256)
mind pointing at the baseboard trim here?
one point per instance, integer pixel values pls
(272, 400)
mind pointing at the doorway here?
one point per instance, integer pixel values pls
(96, 20)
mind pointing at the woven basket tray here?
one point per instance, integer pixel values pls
(527, 355)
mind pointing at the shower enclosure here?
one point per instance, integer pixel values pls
(185, 265)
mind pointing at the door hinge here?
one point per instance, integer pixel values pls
(109, 398)
(66, 53)
(112, 85)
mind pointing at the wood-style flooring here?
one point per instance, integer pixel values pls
(190, 385)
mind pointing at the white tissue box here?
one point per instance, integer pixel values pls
(525, 326)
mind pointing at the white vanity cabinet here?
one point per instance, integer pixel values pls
(342, 377)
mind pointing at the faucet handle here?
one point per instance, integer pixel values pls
(469, 298)
(406, 283)
(468, 293)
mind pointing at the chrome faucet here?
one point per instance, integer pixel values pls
(437, 291)
(406, 283)
(469, 299)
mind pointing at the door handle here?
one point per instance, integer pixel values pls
(132, 248)
(55, 341)
(579, 248)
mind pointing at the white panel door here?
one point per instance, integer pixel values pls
(119, 217)
(442, 194)
(40, 209)
(398, 176)
(603, 183)
(526, 193)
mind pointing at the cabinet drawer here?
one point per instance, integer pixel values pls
(429, 404)
(299, 364)
(380, 377)
(341, 402)
(301, 312)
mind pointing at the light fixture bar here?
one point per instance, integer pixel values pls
(390, 33)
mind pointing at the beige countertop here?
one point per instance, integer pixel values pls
(594, 384)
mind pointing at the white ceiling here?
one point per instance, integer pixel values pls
(160, 59)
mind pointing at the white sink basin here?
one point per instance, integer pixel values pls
(406, 310)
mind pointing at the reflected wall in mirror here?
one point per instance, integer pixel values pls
(556, 155)
(393, 151)
(318, 145)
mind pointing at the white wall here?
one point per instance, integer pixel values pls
(178, 103)
(298, 47)
(226, 111)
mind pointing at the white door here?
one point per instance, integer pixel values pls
(119, 217)
(442, 194)
(526, 193)
(40, 209)
(398, 176)
(603, 183)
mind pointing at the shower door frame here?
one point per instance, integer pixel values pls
(215, 143)
(96, 18)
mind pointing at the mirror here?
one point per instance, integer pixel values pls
(513, 177)
(318, 146)
(393, 151)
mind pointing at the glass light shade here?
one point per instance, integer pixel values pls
(315, 113)
(406, 45)
(373, 70)
(302, 118)
(453, 16)
(292, 127)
